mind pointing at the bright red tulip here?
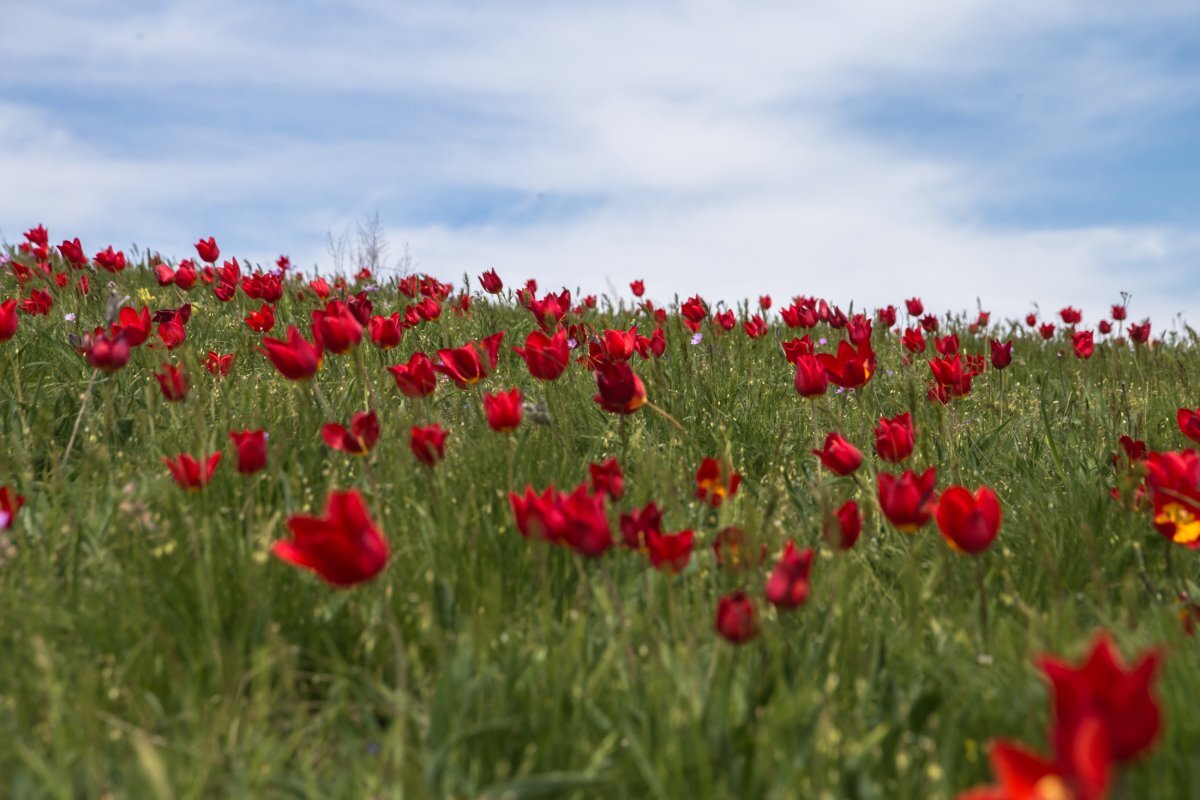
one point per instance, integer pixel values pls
(946, 345)
(386, 332)
(251, 449)
(172, 333)
(8, 320)
(1001, 353)
(207, 250)
(190, 473)
(10, 504)
(218, 364)
(135, 326)
(755, 327)
(107, 354)
(968, 521)
(185, 276)
(336, 329)
(471, 363)
(343, 546)
(787, 587)
(428, 444)
(1082, 773)
(1173, 483)
(1140, 334)
(838, 455)
(109, 259)
(620, 390)
(811, 379)
(843, 528)
(416, 378)
(358, 439)
(607, 479)
(895, 437)
(851, 367)
(910, 500)
(735, 618)
(1071, 316)
(491, 282)
(1104, 326)
(1082, 342)
(503, 410)
(793, 350)
(262, 320)
(670, 552)
(1189, 423)
(72, 252)
(297, 359)
(173, 382)
(546, 356)
(713, 486)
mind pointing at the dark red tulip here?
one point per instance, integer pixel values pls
(1189, 423)
(910, 500)
(427, 443)
(251, 447)
(218, 364)
(895, 437)
(10, 504)
(1031, 320)
(670, 552)
(343, 546)
(946, 345)
(1140, 334)
(335, 328)
(1046, 330)
(503, 410)
(915, 307)
(416, 378)
(638, 288)
(1001, 353)
(929, 322)
(107, 354)
(491, 282)
(358, 439)
(1082, 342)
(297, 359)
(735, 618)
(207, 250)
(190, 473)
(637, 525)
(843, 528)
(914, 340)
(620, 390)
(607, 478)
(262, 320)
(1118, 313)
(545, 356)
(838, 455)
(470, 363)
(755, 327)
(886, 316)
(1104, 326)
(968, 521)
(173, 382)
(787, 587)
(1071, 316)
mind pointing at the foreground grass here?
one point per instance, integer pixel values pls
(151, 647)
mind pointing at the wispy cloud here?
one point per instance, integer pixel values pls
(861, 150)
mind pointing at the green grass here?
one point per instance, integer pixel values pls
(150, 646)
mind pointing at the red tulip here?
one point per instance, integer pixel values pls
(262, 320)
(838, 455)
(1031, 320)
(915, 307)
(191, 474)
(1046, 330)
(793, 350)
(164, 275)
(72, 252)
(1082, 342)
(811, 379)
(546, 356)
(764, 302)
(185, 276)
(895, 437)
(755, 327)
(1189, 423)
(251, 449)
(343, 546)
(929, 322)
(358, 439)
(1173, 483)
(638, 288)
(1071, 316)
(386, 332)
(471, 363)
(207, 250)
(38, 303)
(133, 325)
(1140, 334)
(109, 259)
(173, 382)
(909, 501)
(844, 527)
(1118, 313)
(636, 526)
(851, 367)
(620, 390)
(10, 504)
(887, 316)
(503, 410)
(712, 485)
(733, 552)
(107, 354)
(1104, 326)
(618, 346)
(968, 522)
(428, 444)
(172, 333)
(735, 618)
(1082, 773)
(8, 320)
(914, 340)
(491, 282)
(670, 552)
(607, 479)
(297, 359)
(218, 364)
(947, 345)
(1101, 689)
(1001, 353)
(416, 378)
(336, 329)
(787, 587)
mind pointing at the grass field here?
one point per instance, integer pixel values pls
(151, 645)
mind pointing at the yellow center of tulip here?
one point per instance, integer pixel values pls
(1052, 787)
(1187, 526)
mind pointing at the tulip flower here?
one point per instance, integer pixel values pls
(734, 552)
(262, 320)
(910, 500)
(173, 382)
(968, 521)
(10, 504)
(207, 250)
(913, 340)
(185, 276)
(172, 333)
(1104, 326)
(251, 449)
(843, 528)
(712, 485)
(1001, 353)
(620, 391)
(470, 363)
(133, 325)
(607, 479)
(297, 359)
(190, 473)
(335, 328)
(491, 282)
(356, 440)
(1071, 316)
(1140, 334)
(851, 367)
(427, 443)
(1189, 423)
(895, 437)
(636, 526)
(386, 332)
(803, 346)
(503, 410)
(8, 320)
(107, 354)
(110, 260)
(915, 307)
(416, 378)
(1082, 773)
(787, 587)
(735, 618)
(1082, 342)
(838, 455)
(618, 346)
(811, 379)
(1173, 483)
(545, 356)
(218, 364)
(946, 345)
(670, 552)
(343, 546)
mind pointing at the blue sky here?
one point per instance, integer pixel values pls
(1012, 151)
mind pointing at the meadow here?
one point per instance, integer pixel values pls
(352, 606)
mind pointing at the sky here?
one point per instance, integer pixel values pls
(965, 151)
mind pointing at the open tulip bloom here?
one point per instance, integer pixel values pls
(342, 546)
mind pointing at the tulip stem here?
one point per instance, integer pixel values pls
(362, 371)
(983, 603)
(678, 425)
(624, 428)
(83, 404)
